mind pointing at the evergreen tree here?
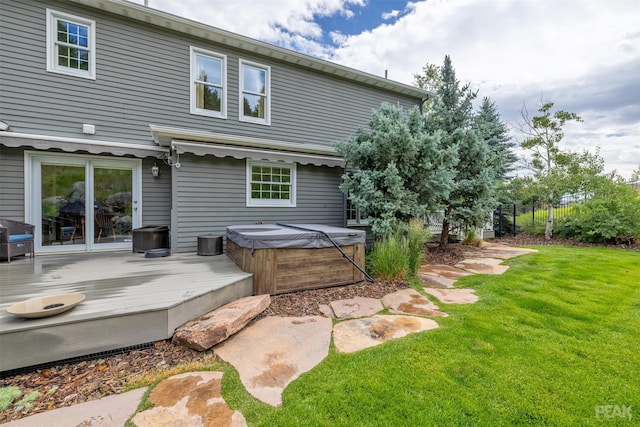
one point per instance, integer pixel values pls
(494, 131)
(451, 115)
(397, 171)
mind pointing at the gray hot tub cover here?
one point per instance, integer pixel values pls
(263, 236)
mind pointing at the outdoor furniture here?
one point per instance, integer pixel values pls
(16, 238)
(104, 221)
(71, 227)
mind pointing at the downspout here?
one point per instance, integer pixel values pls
(344, 201)
(422, 104)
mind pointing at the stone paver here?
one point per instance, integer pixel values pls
(355, 307)
(454, 296)
(326, 311)
(436, 281)
(499, 251)
(483, 265)
(193, 399)
(411, 302)
(357, 334)
(106, 412)
(215, 327)
(446, 271)
(274, 351)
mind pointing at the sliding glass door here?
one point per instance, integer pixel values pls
(83, 203)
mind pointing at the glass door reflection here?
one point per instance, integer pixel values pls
(63, 204)
(112, 207)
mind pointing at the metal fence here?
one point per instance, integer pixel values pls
(511, 219)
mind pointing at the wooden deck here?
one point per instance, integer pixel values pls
(130, 300)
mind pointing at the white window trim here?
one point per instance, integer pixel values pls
(52, 59)
(271, 202)
(267, 115)
(201, 111)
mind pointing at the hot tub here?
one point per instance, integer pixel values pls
(284, 258)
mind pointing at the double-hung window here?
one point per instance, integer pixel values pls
(208, 83)
(255, 88)
(353, 214)
(271, 184)
(71, 45)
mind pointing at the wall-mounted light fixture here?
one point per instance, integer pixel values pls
(155, 170)
(3, 126)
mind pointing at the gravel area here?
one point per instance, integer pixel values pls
(68, 384)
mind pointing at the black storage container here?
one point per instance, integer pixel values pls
(209, 244)
(150, 237)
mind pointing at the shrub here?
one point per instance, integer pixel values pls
(8, 395)
(398, 255)
(471, 238)
(417, 236)
(387, 260)
(612, 214)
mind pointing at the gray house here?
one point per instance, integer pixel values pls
(115, 116)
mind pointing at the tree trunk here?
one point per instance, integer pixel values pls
(548, 231)
(444, 236)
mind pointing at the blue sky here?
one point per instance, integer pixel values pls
(584, 55)
(359, 18)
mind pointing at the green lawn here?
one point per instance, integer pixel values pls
(551, 342)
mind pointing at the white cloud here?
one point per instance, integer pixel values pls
(263, 20)
(390, 15)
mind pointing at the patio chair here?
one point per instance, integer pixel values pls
(71, 227)
(16, 238)
(104, 221)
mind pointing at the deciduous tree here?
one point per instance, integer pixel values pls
(552, 167)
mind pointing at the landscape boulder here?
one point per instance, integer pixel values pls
(215, 327)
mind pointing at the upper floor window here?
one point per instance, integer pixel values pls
(208, 83)
(255, 82)
(271, 184)
(71, 45)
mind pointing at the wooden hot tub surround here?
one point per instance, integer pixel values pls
(285, 269)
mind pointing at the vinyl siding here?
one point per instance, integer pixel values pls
(143, 78)
(211, 194)
(156, 194)
(12, 184)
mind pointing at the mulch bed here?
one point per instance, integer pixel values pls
(68, 384)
